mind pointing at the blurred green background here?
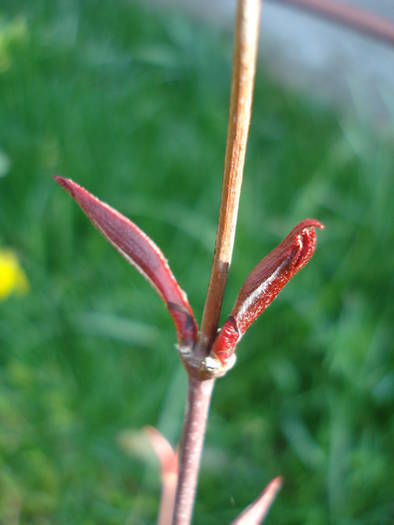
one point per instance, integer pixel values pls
(133, 105)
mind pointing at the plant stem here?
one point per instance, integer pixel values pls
(197, 407)
(200, 391)
(244, 67)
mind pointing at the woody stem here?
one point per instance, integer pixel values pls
(242, 83)
(200, 391)
(197, 408)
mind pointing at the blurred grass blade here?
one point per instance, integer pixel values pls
(117, 328)
(264, 284)
(258, 510)
(142, 253)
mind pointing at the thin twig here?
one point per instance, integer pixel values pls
(200, 391)
(351, 16)
(244, 67)
(197, 408)
(255, 513)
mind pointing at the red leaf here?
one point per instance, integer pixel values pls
(140, 251)
(264, 284)
(168, 459)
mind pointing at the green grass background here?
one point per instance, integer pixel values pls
(133, 105)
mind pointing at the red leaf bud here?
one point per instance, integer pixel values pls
(264, 284)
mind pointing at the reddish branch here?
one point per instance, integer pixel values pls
(197, 408)
(350, 16)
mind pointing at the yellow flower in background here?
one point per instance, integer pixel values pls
(12, 277)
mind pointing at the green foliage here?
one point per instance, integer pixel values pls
(133, 106)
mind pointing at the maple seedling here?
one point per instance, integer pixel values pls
(259, 290)
(209, 353)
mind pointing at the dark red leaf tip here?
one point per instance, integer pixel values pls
(264, 283)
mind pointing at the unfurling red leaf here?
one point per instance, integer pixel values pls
(140, 251)
(264, 284)
(168, 459)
